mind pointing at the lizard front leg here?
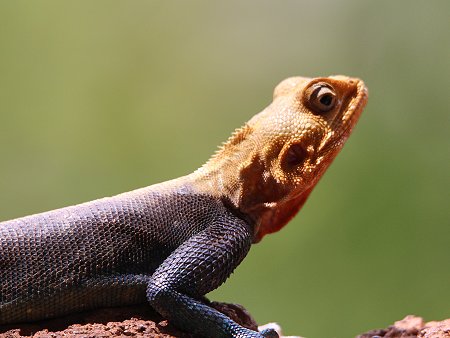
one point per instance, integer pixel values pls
(195, 268)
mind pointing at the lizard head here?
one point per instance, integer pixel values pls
(268, 168)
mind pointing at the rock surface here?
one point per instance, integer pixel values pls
(412, 327)
(133, 321)
(142, 321)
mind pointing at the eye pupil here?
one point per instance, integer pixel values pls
(326, 99)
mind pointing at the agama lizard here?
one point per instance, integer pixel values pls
(173, 242)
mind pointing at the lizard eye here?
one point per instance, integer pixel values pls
(295, 155)
(321, 98)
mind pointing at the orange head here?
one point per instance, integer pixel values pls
(268, 167)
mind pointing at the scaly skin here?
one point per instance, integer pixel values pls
(173, 242)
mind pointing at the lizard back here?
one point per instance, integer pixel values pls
(95, 254)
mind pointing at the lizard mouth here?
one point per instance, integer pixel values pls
(353, 109)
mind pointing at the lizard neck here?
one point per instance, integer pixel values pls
(239, 175)
(266, 208)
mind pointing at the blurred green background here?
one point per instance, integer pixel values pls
(98, 98)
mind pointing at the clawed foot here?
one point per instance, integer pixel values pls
(269, 333)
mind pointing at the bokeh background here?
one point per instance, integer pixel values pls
(98, 98)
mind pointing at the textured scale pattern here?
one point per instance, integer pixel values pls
(171, 243)
(104, 253)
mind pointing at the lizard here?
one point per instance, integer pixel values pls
(173, 242)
